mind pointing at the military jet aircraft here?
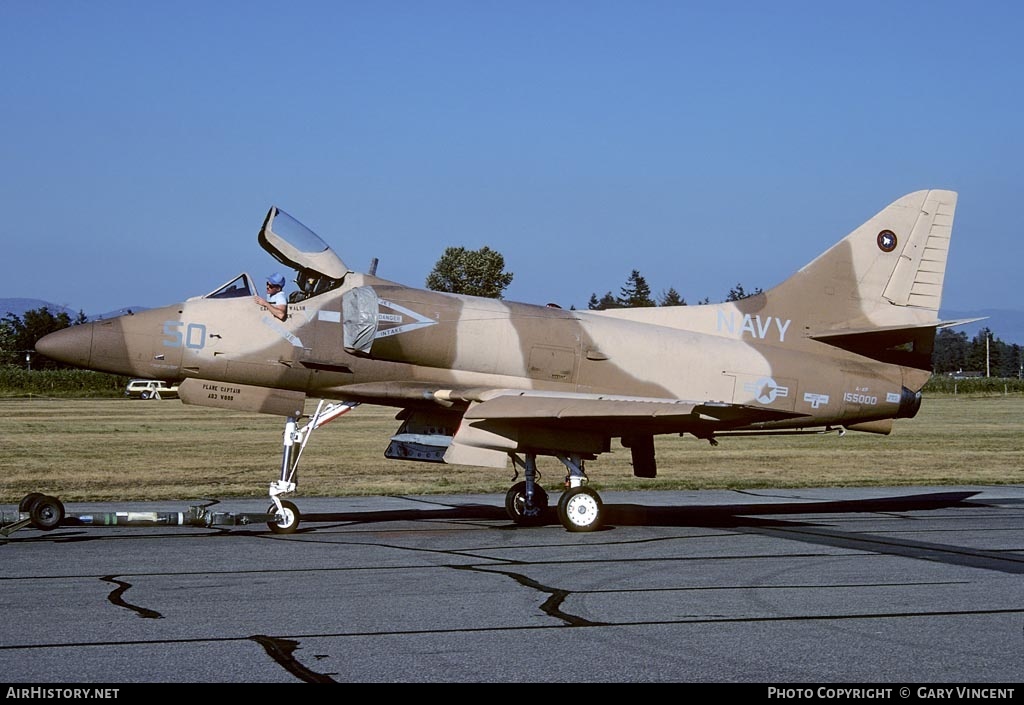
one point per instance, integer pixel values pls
(843, 344)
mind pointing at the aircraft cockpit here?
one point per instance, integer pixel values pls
(311, 283)
(317, 268)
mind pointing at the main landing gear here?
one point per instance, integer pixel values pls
(579, 507)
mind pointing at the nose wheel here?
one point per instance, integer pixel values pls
(286, 519)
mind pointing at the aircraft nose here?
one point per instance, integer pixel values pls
(71, 345)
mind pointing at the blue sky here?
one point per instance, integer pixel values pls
(704, 144)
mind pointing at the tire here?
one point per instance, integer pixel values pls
(286, 524)
(580, 509)
(515, 501)
(144, 395)
(29, 500)
(47, 513)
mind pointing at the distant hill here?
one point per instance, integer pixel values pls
(19, 306)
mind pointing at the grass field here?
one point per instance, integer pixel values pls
(120, 449)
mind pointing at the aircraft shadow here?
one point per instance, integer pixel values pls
(731, 515)
(757, 518)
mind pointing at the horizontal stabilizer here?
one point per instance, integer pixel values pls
(908, 345)
(960, 322)
(825, 335)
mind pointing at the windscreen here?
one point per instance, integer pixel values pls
(239, 286)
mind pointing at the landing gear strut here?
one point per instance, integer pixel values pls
(286, 514)
(526, 503)
(579, 508)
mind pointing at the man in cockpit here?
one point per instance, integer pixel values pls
(276, 302)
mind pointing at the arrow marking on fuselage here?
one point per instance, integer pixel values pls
(420, 321)
(272, 323)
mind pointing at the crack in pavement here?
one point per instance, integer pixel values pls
(116, 598)
(283, 652)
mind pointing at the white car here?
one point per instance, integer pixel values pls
(151, 389)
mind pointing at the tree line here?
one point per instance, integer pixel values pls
(636, 293)
(18, 336)
(982, 355)
(482, 273)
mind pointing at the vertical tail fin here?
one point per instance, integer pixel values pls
(887, 273)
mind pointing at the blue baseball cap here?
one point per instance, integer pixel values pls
(276, 279)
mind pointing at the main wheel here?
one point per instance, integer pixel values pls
(29, 500)
(46, 513)
(515, 505)
(144, 395)
(286, 522)
(579, 509)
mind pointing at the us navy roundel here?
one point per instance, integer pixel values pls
(887, 241)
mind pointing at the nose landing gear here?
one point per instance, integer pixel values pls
(285, 514)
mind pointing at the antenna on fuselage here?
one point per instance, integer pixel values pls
(373, 267)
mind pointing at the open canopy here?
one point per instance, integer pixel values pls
(293, 244)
